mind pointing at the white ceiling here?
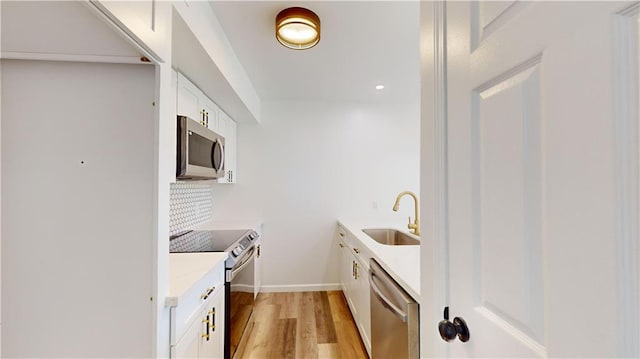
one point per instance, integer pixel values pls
(363, 43)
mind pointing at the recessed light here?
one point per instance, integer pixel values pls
(379, 87)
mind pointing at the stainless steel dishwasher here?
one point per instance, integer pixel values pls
(394, 318)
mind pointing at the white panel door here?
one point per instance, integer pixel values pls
(531, 139)
(189, 100)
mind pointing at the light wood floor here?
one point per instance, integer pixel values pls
(301, 325)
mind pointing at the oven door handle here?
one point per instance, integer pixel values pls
(232, 273)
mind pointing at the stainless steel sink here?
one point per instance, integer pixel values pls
(390, 237)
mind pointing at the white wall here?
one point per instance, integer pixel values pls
(165, 150)
(309, 164)
(77, 209)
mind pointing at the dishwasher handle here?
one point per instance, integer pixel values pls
(384, 300)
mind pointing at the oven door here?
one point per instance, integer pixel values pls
(240, 299)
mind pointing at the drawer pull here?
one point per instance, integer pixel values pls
(341, 234)
(356, 250)
(206, 295)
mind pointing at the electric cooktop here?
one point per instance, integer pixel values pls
(206, 241)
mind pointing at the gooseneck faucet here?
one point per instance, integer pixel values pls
(415, 226)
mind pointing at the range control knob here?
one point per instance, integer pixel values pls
(236, 251)
(253, 235)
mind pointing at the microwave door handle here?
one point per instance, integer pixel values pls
(221, 155)
(217, 143)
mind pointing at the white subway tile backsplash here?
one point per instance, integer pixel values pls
(190, 204)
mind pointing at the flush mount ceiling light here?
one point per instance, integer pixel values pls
(298, 28)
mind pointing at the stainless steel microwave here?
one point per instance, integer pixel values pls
(200, 152)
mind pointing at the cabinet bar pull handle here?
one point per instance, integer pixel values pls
(206, 322)
(206, 295)
(356, 276)
(206, 336)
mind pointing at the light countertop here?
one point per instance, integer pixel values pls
(185, 269)
(401, 262)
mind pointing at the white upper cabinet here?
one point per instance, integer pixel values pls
(193, 103)
(210, 113)
(189, 98)
(228, 128)
(201, 50)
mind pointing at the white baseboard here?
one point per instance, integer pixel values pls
(301, 288)
(242, 288)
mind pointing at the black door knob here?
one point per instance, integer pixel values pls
(450, 330)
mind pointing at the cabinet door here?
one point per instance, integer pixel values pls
(188, 101)
(188, 346)
(229, 131)
(212, 336)
(363, 302)
(232, 150)
(345, 261)
(210, 113)
(258, 270)
(349, 268)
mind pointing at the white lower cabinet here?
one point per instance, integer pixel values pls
(197, 320)
(362, 300)
(189, 345)
(212, 329)
(354, 268)
(257, 274)
(346, 276)
(205, 336)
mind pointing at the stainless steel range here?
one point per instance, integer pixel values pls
(239, 274)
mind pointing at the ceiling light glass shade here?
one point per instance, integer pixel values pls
(298, 28)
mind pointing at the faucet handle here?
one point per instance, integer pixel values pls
(412, 225)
